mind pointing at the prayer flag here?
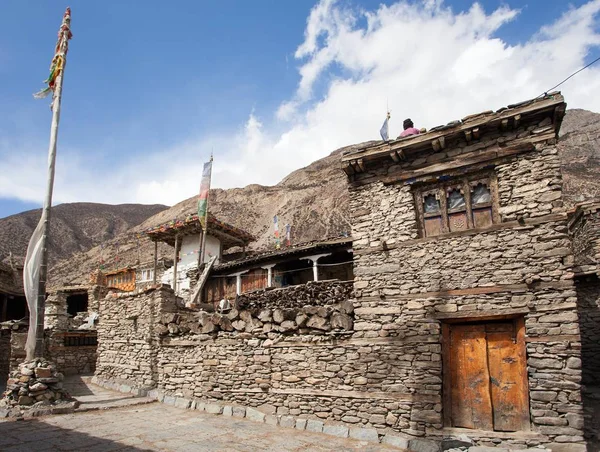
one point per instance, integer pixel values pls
(204, 189)
(276, 232)
(384, 131)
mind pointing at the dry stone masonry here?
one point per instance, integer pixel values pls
(381, 358)
(35, 386)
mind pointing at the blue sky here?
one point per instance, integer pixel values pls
(268, 86)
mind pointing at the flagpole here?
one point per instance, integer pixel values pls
(56, 87)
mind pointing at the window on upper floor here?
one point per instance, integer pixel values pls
(463, 203)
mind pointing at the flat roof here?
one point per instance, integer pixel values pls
(354, 161)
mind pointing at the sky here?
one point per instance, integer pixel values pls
(266, 86)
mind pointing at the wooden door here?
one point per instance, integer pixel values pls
(485, 376)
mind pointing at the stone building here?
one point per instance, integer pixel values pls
(184, 237)
(463, 264)
(473, 297)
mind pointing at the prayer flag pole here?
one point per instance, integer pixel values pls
(36, 262)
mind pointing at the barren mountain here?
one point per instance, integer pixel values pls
(580, 154)
(314, 200)
(74, 227)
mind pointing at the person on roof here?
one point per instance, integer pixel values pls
(409, 129)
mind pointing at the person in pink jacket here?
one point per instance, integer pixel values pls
(409, 129)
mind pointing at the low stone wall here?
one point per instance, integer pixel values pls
(74, 359)
(312, 308)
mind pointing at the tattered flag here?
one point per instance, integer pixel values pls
(384, 131)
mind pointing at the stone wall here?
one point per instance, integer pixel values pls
(407, 287)
(315, 307)
(584, 228)
(74, 359)
(128, 340)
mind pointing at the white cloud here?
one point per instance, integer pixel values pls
(425, 60)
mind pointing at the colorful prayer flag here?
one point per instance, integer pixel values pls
(276, 232)
(58, 61)
(204, 189)
(288, 234)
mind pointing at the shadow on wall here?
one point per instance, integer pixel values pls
(26, 435)
(588, 308)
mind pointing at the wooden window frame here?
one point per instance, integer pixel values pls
(442, 189)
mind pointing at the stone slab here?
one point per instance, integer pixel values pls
(341, 431)
(212, 408)
(255, 415)
(300, 424)
(313, 425)
(239, 411)
(394, 440)
(287, 421)
(364, 434)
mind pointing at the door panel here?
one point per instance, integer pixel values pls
(485, 376)
(507, 365)
(471, 402)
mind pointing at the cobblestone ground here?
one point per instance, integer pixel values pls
(157, 427)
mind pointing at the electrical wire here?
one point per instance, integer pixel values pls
(572, 75)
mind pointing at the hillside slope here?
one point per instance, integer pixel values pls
(74, 227)
(314, 200)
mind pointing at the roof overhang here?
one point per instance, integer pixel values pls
(228, 235)
(469, 128)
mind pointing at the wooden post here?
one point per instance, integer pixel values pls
(314, 260)
(155, 262)
(175, 259)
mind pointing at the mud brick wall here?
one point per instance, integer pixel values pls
(406, 286)
(127, 338)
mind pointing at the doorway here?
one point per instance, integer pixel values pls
(485, 375)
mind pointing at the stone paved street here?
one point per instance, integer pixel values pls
(157, 427)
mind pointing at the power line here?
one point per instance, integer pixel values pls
(572, 75)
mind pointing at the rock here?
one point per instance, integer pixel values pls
(265, 315)
(341, 321)
(25, 400)
(255, 415)
(341, 431)
(423, 445)
(301, 424)
(287, 421)
(314, 426)
(239, 411)
(394, 440)
(37, 387)
(239, 325)
(318, 323)
(278, 316)
(364, 434)
(460, 441)
(287, 325)
(212, 408)
(43, 372)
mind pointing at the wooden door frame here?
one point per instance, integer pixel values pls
(519, 322)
